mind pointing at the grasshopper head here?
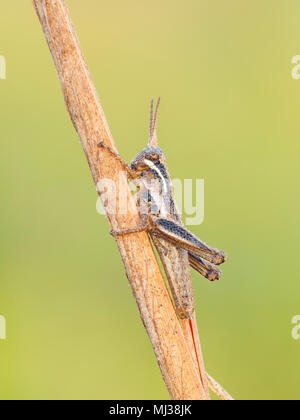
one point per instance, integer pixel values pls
(149, 157)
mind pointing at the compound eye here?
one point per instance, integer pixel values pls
(154, 157)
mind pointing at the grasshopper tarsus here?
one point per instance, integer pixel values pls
(115, 234)
(126, 167)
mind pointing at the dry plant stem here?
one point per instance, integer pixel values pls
(218, 389)
(190, 330)
(143, 272)
(191, 333)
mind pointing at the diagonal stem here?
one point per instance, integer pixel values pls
(143, 272)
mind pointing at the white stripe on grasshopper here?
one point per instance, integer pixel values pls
(157, 170)
(158, 198)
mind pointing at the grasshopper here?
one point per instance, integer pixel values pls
(177, 247)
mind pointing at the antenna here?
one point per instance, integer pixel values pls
(153, 121)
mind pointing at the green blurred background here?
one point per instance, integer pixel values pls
(223, 70)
